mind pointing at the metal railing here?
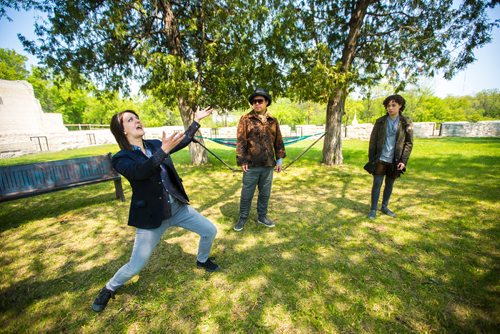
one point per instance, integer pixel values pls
(79, 127)
(39, 140)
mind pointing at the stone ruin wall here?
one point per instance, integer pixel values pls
(25, 128)
(18, 144)
(466, 129)
(21, 112)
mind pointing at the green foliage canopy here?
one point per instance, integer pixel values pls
(399, 40)
(204, 52)
(12, 65)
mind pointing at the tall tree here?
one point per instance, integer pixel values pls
(488, 101)
(184, 52)
(332, 46)
(12, 65)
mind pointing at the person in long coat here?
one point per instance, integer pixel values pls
(391, 143)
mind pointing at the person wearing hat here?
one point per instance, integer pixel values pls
(259, 150)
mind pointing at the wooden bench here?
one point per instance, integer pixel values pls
(20, 181)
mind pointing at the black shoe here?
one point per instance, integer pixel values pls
(372, 214)
(208, 265)
(388, 212)
(239, 225)
(102, 299)
(266, 222)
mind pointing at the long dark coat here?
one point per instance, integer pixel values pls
(404, 140)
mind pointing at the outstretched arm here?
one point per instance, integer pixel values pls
(168, 143)
(190, 132)
(202, 113)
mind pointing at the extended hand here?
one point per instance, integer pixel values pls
(168, 143)
(202, 113)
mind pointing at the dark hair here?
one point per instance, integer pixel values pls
(117, 130)
(396, 98)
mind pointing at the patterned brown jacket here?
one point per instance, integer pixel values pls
(259, 143)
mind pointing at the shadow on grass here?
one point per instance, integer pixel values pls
(15, 213)
(324, 268)
(45, 301)
(325, 273)
(352, 266)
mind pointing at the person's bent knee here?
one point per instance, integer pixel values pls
(212, 231)
(209, 229)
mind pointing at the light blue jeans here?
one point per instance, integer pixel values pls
(146, 240)
(261, 177)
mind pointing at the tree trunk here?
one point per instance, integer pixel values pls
(332, 147)
(197, 152)
(171, 31)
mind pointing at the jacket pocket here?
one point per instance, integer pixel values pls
(139, 204)
(370, 166)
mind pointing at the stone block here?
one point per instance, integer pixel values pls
(21, 113)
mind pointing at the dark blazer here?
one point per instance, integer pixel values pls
(143, 173)
(404, 140)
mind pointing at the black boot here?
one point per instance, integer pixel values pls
(208, 265)
(102, 299)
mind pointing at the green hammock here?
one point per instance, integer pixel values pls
(232, 141)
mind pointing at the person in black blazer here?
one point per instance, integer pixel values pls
(159, 200)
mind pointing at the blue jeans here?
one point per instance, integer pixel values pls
(377, 184)
(263, 178)
(146, 240)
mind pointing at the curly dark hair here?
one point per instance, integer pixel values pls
(396, 98)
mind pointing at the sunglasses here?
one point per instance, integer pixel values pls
(258, 101)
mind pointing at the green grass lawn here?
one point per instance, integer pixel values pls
(324, 268)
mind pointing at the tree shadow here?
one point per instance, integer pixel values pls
(17, 212)
(22, 297)
(323, 268)
(373, 264)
